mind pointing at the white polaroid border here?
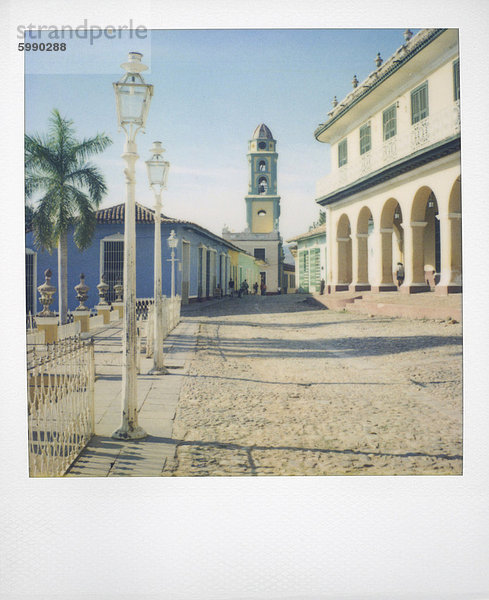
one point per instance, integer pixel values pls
(251, 538)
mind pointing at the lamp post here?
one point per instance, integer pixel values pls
(133, 97)
(172, 243)
(157, 176)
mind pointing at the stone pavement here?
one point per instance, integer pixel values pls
(157, 400)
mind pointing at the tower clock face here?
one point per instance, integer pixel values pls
(262, 145)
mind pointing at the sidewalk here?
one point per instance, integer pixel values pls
(425, 305)
(157, 400)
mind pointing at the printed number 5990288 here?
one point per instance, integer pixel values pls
(42, 47)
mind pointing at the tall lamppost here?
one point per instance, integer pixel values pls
(133, 97)
(172, 243)
(157, 176)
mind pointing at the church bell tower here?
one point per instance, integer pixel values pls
(261, 237)
(262, 201)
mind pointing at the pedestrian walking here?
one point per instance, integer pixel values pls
(400, 274)
(245, 287)
(231, 288)
(263, 288)
(255, 288)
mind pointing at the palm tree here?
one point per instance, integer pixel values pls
(67, 191)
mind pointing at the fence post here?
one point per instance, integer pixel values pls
(91, 375)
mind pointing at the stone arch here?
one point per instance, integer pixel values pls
(455, 198)
(391, 248)
(364, 250)
(425, 232)
(262, 185)
(344, 254)
(451, 241)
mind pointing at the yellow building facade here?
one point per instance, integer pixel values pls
(393, 194)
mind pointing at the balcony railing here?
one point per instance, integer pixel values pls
(435, 128)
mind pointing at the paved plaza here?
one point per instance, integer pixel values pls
(277, 385)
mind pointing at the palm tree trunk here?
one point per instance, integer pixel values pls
(63, 278)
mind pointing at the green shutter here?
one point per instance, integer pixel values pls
(389, 121)
(419, 103)
(365, 139)
(304, 270)
(315, 267)
(342, 153)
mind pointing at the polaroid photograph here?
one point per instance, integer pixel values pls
(247, 264)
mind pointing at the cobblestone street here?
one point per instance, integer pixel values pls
(281, 387)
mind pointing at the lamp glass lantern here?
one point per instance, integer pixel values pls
(172, 240)
(133, 95)
(157, 168)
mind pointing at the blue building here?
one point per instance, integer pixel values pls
(202, 266)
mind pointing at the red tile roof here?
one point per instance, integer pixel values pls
(115, 214)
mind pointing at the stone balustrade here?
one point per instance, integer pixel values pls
(435, 128)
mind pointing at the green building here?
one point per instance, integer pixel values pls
(309, 250)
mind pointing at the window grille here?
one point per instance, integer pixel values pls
(342, 153)
(200, 273)
(29, 283)
(456, 80)
(212, 272)
(113, 266)
(365, 139)
(259, 253)
(389, 121)
(419, 103)
(207, 273)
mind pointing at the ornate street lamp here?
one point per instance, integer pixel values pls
(157, 176)
(172, 243)
(133, 97)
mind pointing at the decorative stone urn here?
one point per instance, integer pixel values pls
(47, 291)
(81, 293)
(47, 320)
(103, 288)
(103, 307)
(118, 304)
(82, 313)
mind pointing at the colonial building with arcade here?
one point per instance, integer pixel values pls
(261, 238)
(393, 192)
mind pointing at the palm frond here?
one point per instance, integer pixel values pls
(91, 146)
(42, 222)
(36, 181)
(39, 155)
(85, 221)
(89, 176)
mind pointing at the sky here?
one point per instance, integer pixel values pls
(211, 89)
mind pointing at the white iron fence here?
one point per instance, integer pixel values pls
(60, 383)
(170, 317)
(35, 336)
(69, 330)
